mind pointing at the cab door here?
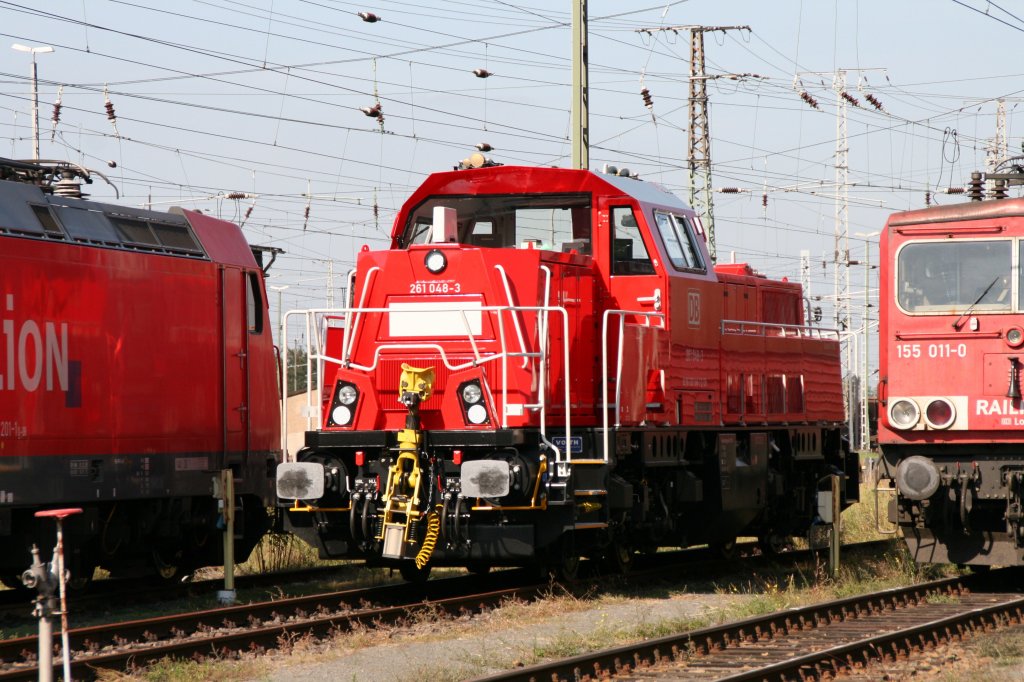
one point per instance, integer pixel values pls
(636, 284)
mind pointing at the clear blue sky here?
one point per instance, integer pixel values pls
(264, 97)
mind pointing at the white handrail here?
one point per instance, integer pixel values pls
(512, 305)
(621, 314)
(315, 352)
(752, 328)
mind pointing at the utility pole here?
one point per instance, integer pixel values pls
(580, 87)
(699, 148)
(43, 49)
(841, 252)
(842, 202)
(996, 150)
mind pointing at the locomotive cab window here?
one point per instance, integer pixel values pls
(543, 221)
(680, 241)
(955, 276)
(629, 254)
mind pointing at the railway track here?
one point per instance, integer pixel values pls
(266, 625)
(16, 605)
(813, 642)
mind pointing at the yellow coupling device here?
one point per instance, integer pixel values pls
(402, 492)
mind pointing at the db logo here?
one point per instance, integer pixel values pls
(693, 308)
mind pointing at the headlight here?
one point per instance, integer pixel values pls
(904, 414)
(940, 413)
(472, 394)
(477, 414)
(1014, 336)
(435, 262)
(347, 394)
(341, 415)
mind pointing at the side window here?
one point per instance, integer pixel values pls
(678, 236)
(629, 255)
(253, 304)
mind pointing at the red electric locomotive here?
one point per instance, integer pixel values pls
(546, 365)
(136, 362)
(952, 342)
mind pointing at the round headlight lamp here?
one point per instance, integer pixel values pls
(477, 414)
(1014, 336)
(347, 394)
(904, 414)
(940, 413)
(435, 261)
(341, 415)
(471, 393)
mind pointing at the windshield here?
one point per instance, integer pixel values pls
(945, 277)
(546, 221)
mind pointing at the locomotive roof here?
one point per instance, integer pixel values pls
(971, 210)
(540, 180)
(27, 211)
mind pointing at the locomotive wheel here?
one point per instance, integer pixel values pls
(566, 565)
(166, 569)
(772, 544)
(619, 557)
(724, 550)
(411, 573)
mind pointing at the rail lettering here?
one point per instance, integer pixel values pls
(996, 407)
(32, 353)
(906, 351)
(9, 429)
(435, 287)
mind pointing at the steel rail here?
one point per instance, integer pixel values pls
(622, 660)
(269, 624)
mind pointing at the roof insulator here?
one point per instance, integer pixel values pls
(482, 73)
(369, 17)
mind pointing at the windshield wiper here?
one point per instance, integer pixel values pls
(959, 321)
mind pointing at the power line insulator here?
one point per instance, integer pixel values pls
(875, 102)
(955, 190)
(806, 96)
(372, 112)
(764, 200)
(369, 17)
(927, 198)
(482, 73)
(484, 147)
(648, 101)
(851, 99)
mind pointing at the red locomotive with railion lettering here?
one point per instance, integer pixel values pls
(951, 421)
(545, 365)
(136, 362)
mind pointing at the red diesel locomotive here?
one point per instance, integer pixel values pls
(952, 342)
(545, 365)
(136, 362)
